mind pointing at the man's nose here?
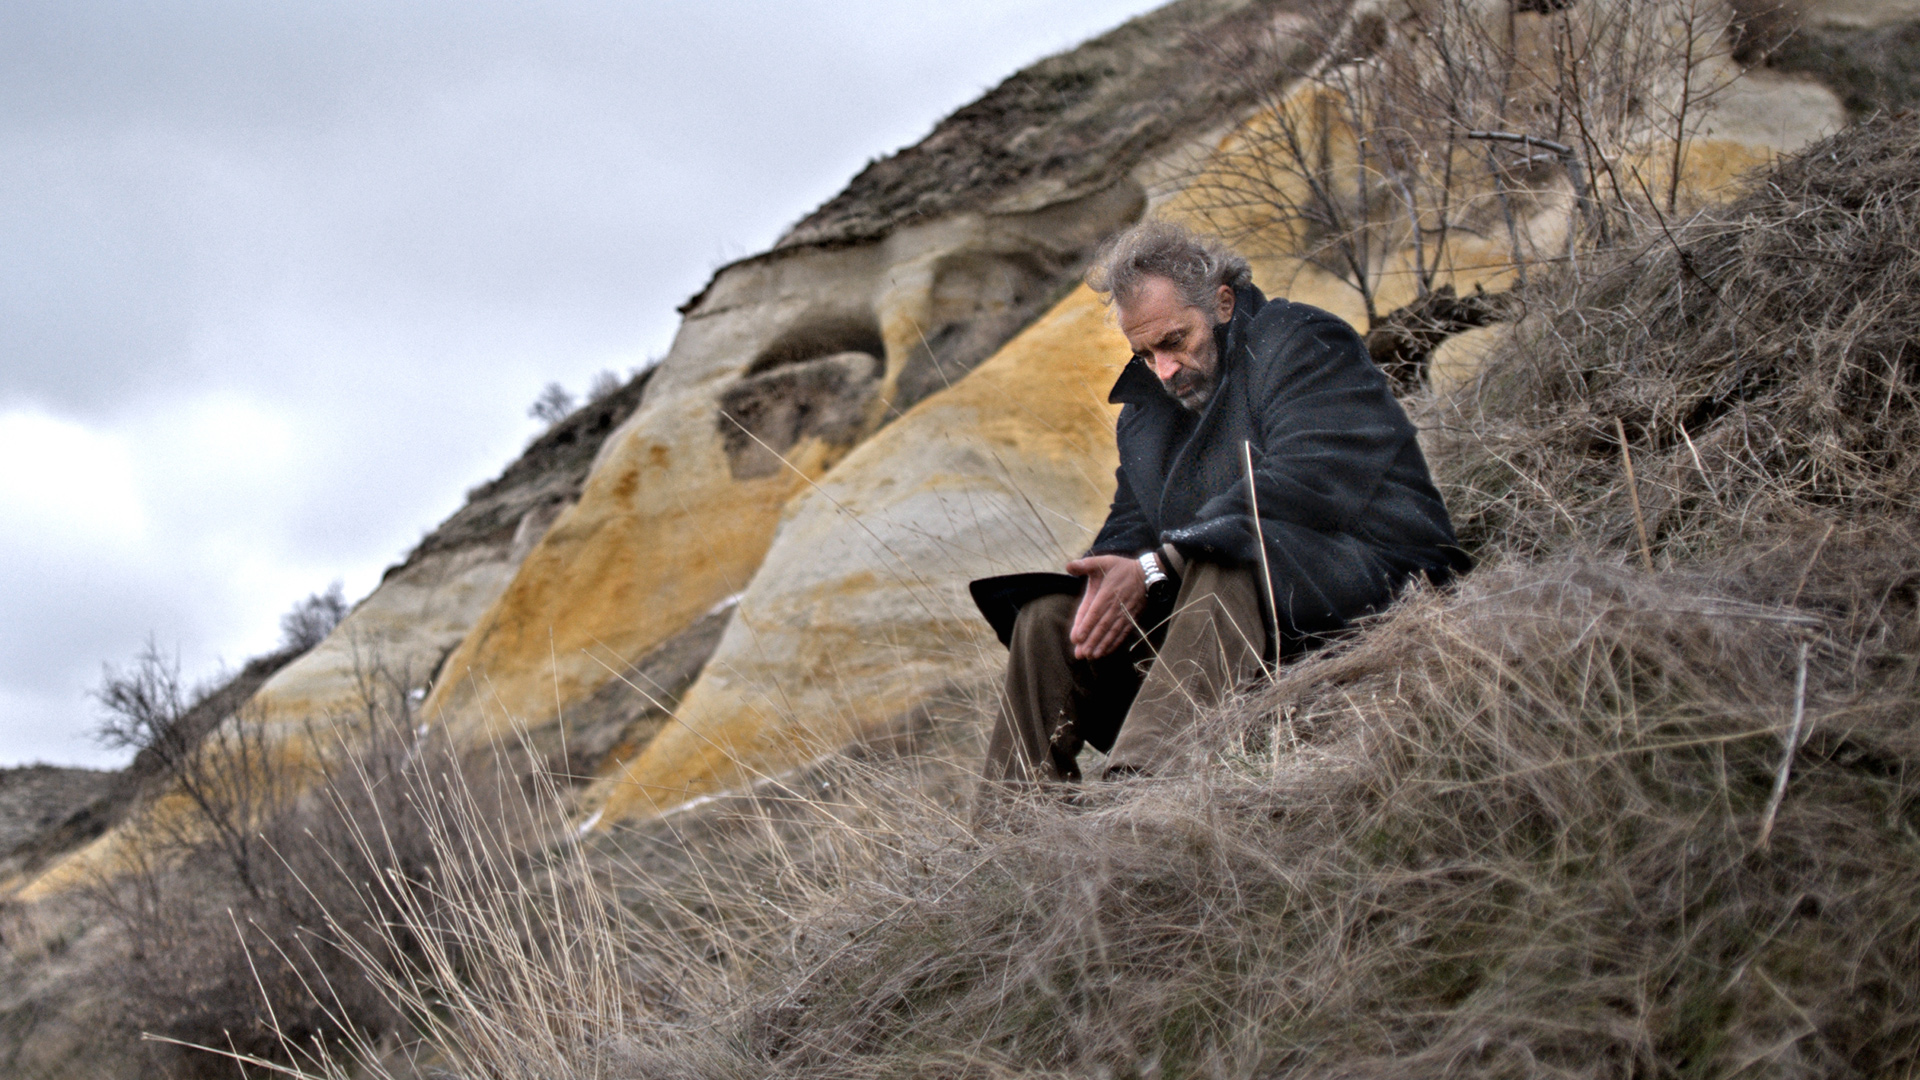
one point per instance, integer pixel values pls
(1165, 366)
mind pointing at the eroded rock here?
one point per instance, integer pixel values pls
(860, 610)
(765, 414)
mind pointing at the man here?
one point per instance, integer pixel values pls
(1177, 601)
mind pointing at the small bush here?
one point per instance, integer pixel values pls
(312, 619)
(242, 895)
(604, 385)
(553, 405)
(145, 705)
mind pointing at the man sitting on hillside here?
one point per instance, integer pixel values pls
(1170, 609)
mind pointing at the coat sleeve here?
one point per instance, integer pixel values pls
(1127, 530)
(1328, 431)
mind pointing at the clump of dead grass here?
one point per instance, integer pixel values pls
(1512, 831)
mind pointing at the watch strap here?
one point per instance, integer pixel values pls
(1150, 563)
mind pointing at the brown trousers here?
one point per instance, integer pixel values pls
(1138, 701)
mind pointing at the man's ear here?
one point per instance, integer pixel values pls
(1223, 304)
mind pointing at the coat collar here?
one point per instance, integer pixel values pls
(1138, 385)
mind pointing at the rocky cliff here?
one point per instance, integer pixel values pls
(757, 552)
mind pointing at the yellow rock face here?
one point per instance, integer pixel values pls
(660, 534)
(682, 504)
(1458, 358)
(861, 607)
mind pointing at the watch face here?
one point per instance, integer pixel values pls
(1159, 591)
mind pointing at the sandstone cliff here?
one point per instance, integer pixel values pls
(758, 552)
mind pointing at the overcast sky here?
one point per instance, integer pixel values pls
(279, 280)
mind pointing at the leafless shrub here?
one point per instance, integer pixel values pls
(553, 405)
(1395, 145)
(239, 889)
(226, 776)
(604, 384)
(312, 619)
(145, 703)
(556, 403)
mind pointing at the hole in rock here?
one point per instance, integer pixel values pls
(816, 338)
(763, 416)
(980, 300)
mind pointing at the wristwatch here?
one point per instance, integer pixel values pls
(1161, 586)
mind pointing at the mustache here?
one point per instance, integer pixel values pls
(1187, 384)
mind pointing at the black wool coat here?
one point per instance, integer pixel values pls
(1347, 508)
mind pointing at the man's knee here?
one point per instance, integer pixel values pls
(1221, 602)
(1044, 622)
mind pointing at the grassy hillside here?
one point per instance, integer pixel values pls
(1637, 798)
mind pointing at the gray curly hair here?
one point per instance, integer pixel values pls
(1197, 265)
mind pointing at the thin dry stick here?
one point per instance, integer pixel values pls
(1807, 570)
(1633, 492)
(1698, 464)
(1786, 757)
(1260, 538)
(1569, 159)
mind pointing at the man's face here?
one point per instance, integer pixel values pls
(1175, 338)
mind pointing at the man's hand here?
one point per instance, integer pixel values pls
(1116, 591)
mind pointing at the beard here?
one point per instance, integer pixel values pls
(1192, 389)
(1193, 386)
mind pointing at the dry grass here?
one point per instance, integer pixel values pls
(1764, 360)
(1571, 819)
(1511, 831)
(1516, 835)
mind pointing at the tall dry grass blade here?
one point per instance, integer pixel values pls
(1790, 745)
(1260, 538)
(1800, 586)
(1633, 493)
